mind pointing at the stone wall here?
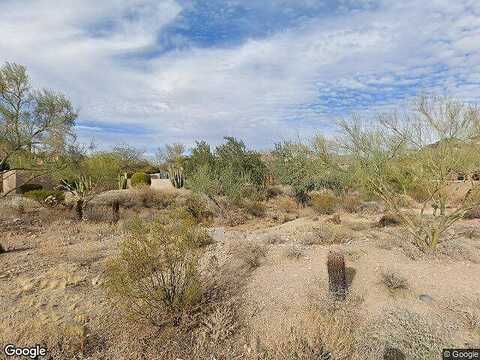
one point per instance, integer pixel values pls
(15, 178)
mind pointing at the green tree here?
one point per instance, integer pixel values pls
(36, 126)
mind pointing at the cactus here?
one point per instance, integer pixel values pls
(115, 211)
(83, 190)
(176, 176)
(337, 275)
(122, 182)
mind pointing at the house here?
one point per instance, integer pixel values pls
(17, 181)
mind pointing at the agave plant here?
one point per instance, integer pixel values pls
(84, 190)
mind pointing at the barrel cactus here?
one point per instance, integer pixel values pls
(337, 275)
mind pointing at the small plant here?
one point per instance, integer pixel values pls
(83, 190)
(2, 249)
(294, 252)
(176, 177)
(394, 281)
(115, 211)
(140, 179)
(324, 203)
(255, 208)
(122, 182)
(251, 253)
(46, 197)
(155, 276)
(389, 219)
(197, 207)
(337, 275)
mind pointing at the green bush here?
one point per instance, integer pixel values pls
(197, 207)
(46, 197)
(155, 277)
(140, 179)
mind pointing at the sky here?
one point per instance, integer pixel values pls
(152, 72)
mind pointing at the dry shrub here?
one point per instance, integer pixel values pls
(233, 216)
(63, 341)
(273, 191)
(286, 204)
(327, 234)
(272, 239)
(324, 203)
(294, 252)
(132, 198)
(98, 214)
(250, 253)
(325, 332)
(416, 336)
(351, 203)
(460, 250)
(472, 213)
(155, 276)
(197, 207)
(389, 219)
(254, 208)
(394, 281)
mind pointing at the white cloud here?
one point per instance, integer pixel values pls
(262, 90)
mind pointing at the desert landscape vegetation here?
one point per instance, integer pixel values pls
(360, 245)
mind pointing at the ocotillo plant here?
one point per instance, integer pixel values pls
(337, 275)
(176, 176)
(122, 181)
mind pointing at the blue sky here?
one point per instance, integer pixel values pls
(151, 72)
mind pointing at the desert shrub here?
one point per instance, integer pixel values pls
(394, 281)
(286, 204)
(234, 216)
(350, 203)
(254, 208)
(103, 168)
(415, 335)
(250, 253)
(324, 203)
(472, 213)
(389, 219)
(140, 179)
(324, 234)
(146, 197)
(294, 252)
(273, 191)
(155, 277)
(97, 214)
(197, 207)
(46, 197)
(29, 187)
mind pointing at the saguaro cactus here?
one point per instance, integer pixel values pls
(122, 181)
(336, 275)
(176, 176)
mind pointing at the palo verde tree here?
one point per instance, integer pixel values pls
(418, 150)
(36, 126)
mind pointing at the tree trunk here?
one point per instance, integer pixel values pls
(79, 209)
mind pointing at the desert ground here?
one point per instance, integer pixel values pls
(275, 303)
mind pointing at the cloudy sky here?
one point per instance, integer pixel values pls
(150, 72)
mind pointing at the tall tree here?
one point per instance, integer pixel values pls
(36, 126)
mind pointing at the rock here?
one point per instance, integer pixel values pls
(426, 298)
(393, 354)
